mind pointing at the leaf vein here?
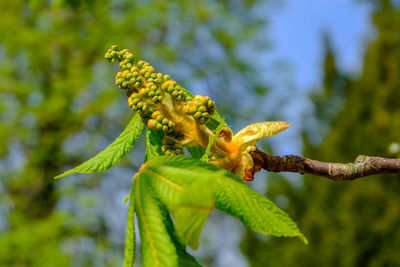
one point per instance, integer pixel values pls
(165, 179)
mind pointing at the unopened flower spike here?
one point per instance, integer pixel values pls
(163, 105)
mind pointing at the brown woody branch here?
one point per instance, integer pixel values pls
(362, 166)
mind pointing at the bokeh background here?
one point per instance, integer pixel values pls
(329, 68)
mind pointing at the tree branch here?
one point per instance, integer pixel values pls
(362, 166)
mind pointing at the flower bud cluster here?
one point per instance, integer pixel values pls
(201, 108)
(159, 122)
(137, 104)
(175, 91)
(170, 147)
(162, 104)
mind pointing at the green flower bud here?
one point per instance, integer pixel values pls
(202, 109)
(143, 92)
(152, 124)
(119, 81)
(159, 78)
(197, 115)
(140, 63)
(128, 66)
(156, 114)
(159, 118)
(129, 56)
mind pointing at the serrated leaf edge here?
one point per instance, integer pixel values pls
(134, 119)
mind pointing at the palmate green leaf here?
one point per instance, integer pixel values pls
(159, 243)
(130, 242)
(190, 203)
(153, 149)
(254, 209)
(183, 182)
(191, 218)
(189, 200)
(184, 258)
(187, 191)
(112, 154)
(156, 244)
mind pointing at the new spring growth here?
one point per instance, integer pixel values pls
(163, 105)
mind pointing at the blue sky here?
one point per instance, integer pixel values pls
(296, 29)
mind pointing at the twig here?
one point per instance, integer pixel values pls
(362, 166)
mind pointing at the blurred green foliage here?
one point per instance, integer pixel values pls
(348, 223)
(54, 82)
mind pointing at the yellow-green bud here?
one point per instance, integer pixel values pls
(152, 124)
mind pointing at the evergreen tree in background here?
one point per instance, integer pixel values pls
(54, 82)
(348, 223)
